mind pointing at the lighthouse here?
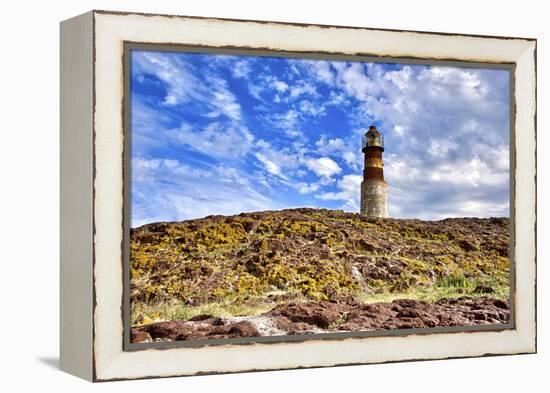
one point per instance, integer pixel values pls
(374, 189)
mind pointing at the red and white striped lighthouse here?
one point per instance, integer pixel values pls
(374, 189)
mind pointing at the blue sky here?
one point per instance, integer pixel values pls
(215, 134)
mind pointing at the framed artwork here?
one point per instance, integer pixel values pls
(246, 195)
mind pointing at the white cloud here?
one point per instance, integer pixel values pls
(313, 69)
(144, 169)
(478, 208)
(217, 140)
(440, 148)
(241, 69)
(351, 158)
(306, 188)
(465, 81)
(326, 181)
(472, 173)
(323, 166)
(439, 189)
(330, 145)
(279, 85)
(255, 90)
(338, 147)
(401, 79)
(223, 100)
(230, 174)
(322, 70)
(285, 121)
(399, 130)
(270, 166)
(310, 109)
(349, 190)
(337, 98)
(352, 79)
(302, 88)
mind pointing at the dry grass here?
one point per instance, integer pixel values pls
(144, 313)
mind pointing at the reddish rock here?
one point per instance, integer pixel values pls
(189, 330)
(140, 337)
(333, 316)
(320, 314)
(164, 329)
(500, 304)
(286, 325)
(201, 317)
(241, 329)
(406, 314)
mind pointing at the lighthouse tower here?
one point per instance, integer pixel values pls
(374, 190)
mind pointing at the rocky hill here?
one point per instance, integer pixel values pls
(252, 263)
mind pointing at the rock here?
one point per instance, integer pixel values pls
(480, 316)
(276, 245)
(326, 316)
(468, 245)
(190, 330)
(286, 325)
(320, 314)
(148, 237)
(206, 270)
(356, 274)
(242, 329)
(164, 329)
(250, 226)
(500, 304)
(408, 314)
(364, 245)
(137, 336)
(201, 317)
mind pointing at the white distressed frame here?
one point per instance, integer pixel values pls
(108, 360)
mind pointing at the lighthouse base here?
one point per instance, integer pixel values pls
(374, 198)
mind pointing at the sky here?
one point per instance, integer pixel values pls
(220, 134)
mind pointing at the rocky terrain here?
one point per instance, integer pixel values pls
(312, 270)
(325, 317)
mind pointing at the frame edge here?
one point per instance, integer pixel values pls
(76, 200)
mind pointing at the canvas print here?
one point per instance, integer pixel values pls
(282, 196)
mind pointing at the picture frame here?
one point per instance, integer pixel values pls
(94, 273)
